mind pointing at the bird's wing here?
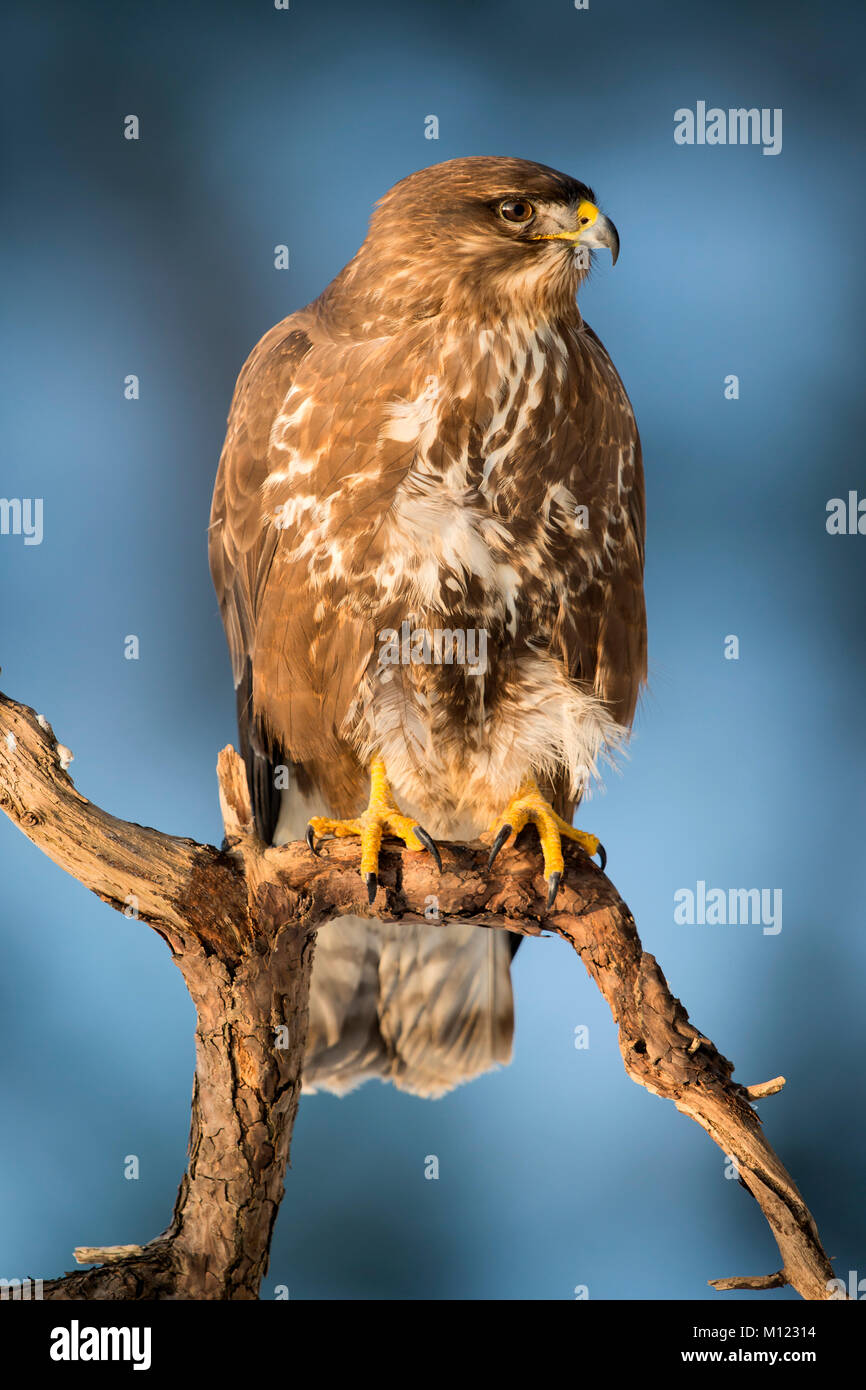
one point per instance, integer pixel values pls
(621, 665)
(307, 475)
(240, 547)
(599, 627)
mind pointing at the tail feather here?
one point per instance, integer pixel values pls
(264, 795)
(425, 1007)
(446, 1008)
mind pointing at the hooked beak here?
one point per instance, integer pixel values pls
(593, 229)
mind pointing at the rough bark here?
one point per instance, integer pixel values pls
(240, 924)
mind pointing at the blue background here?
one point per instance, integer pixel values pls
(260, 127)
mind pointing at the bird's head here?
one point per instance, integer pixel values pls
(481, 237)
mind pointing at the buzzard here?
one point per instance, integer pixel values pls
(427, 539)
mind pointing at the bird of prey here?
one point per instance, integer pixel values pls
(427, 539)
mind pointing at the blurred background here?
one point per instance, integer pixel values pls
(155, 257)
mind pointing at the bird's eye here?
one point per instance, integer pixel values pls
(516, 210)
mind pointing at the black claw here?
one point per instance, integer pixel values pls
(372, 883)
(497, 844)
(554, 882)
(312, 842)
(602, 857)
(428, 844)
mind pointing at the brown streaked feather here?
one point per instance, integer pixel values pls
(345, 505)
(240, 549)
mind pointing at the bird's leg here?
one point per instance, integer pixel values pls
(528, 805)
(382, 817)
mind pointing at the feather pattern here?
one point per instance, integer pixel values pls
(440, 445)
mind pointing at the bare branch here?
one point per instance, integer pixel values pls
(178, 886)
(241, 925)
(751, 1281)
(766, 1088)
(104, 1254)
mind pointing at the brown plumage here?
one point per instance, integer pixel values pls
(438, 440)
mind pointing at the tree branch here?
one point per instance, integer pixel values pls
(241, 926)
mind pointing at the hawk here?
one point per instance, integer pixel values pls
(427, 540)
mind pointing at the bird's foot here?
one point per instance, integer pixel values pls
(382, 817)
(529, 806)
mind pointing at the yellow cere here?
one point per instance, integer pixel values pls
(586, 215)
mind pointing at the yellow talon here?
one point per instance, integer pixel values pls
(528, 805)
(382, 817)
